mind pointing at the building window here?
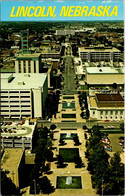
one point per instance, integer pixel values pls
(106, 117)
(93, 112)
(121, 112)
(101, 112)
(29, 66)
(116, 112)
(121, 117)
(111, 117)
(116, 117)
(34, 66)
(19, 66)
(106, 112)
(14, 96)
(24, 66)
(111, 112)
(101, 117)
(13, 91)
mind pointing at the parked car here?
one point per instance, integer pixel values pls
(9, 123)
(106, 120)
(108, 148)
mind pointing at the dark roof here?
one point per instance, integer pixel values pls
(109, 97)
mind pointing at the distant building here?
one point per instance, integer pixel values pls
(106, 106)
(99, 53)
(54, 54)
(23, 95)
(13, 160)
(65, 32)
(86, 29)
(104, 75)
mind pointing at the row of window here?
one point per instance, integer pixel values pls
(110, 112)
(14, 91)
(15, 105)
(112, 117)
(15, 111)
(29, 66)
(24, 101)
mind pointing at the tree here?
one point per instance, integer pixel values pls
(87, 113)
(79, 162)
(60, 161)
(116, 177)
(122, 126)
(52, 127)
(46, 186)
(76, 139)
(114, 85)
(84, 127)
(7, 186)
(82, 114)
(49, 155)
(61, 141)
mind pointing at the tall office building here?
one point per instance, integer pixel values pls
(23, 95)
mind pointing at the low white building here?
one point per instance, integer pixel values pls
(104, 75)
(99, 53)
(23, 95)
(106, 106)
(18, 136)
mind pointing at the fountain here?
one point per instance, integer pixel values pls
(68, 180)
(68, 135)
(68, 104)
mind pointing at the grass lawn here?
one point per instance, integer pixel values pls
(69, 154)
(68, 97)
(114, 138)
(68, 115)
(84, 87)
(65, 105)
(76, 182)
(63, 136)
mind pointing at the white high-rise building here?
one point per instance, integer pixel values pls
(23, 95)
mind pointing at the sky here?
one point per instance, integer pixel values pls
(6, 7)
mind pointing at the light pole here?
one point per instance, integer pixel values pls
(34, 187)
(102, 186)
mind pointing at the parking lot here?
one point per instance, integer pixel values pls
(114, 138)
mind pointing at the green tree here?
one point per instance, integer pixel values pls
(7, 186)
(60, 161)
(117, 174)
(46, 186)
(49, 155)
(122, 126)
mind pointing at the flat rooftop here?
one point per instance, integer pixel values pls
(50, 52)
(104, 70)
(22, 80)
(28, 55)
(93, 104)
(98, 49)
(11, 159)
(109, 97)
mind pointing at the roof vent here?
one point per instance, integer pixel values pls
(26, 75)
(20, 83)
